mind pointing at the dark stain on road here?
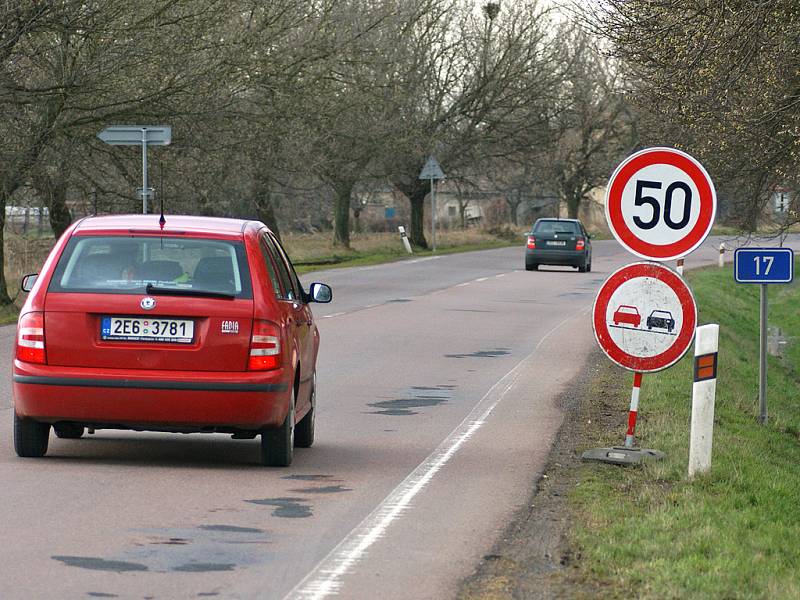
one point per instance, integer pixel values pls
(171, 542)
(329, 489)
(308, 477)
(230, 529)
(99, 564)
(207, 594)
(203, 567)
(101, 595)
(289, 508)
(403, 406)
(482, 354)
(397, 300)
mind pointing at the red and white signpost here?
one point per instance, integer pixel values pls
(644, 319)
(660, 205)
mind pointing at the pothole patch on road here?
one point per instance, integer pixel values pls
(307, 477)
(100, 564)
(494, 353)
(288, 508)
(416, 396)
(193, 567)
(328, 489)
(230, 529)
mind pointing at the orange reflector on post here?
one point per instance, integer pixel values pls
(705, 367)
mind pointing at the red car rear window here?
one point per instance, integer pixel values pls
(126, 265)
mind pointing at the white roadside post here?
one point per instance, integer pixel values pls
(680, 266)
(706, 347)
(722, 255)
(404, 237)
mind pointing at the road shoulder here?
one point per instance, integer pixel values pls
(533, 558)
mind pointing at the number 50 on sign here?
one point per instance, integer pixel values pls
(660, 203)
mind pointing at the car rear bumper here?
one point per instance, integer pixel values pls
(555, 257)
(130, 398)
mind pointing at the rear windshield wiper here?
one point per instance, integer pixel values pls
(163, 291)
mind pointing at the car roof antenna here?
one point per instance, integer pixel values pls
(162, 221)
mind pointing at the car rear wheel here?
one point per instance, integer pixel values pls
(277, 445)
(304, 432)
(30, 437)
(531, 267)
(68, 431)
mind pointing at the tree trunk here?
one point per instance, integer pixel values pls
(5, 299)
(60, 217)
(573, 205)
(265, 204)
(416, 192)
(341, 226)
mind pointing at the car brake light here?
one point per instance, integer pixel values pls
(265, 347)
(30, 338)
(579, 245)
(531, 242)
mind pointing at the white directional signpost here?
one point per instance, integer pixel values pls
(133, 135)
(660, 205)
(433, 171)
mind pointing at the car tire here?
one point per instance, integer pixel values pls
(277, 444)
(531, 267)
(68, 431)
(304, 431)
(588, 266)
(582, 268)
(30, 437)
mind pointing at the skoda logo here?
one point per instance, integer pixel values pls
(148, 303)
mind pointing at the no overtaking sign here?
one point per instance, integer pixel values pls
(644, 317)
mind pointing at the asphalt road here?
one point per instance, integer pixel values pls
(437, 385)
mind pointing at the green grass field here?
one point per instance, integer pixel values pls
(649, 532)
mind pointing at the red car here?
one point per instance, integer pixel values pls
(627, 314)
(199, 326)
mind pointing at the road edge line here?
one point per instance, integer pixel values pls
(325, 578)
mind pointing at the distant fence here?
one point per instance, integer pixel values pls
(25, 220)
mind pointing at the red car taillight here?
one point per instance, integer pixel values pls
(531, 242)
(580, 244)
(30, 338)
(265, 347)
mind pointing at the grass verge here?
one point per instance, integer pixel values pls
(734, 533)
(313, 253)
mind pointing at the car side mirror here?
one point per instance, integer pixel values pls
(319, 292)
(28, 282)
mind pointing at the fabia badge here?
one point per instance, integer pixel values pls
(148, 303)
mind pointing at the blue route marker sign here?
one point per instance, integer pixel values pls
(763, 265)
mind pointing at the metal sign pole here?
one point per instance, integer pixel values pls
(634, 410)
(762, 365)
(433, 214)
(144, 171)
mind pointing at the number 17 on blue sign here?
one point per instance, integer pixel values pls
(763, 265)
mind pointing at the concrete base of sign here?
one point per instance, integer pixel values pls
(620, 455)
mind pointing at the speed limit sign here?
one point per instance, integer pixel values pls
(660, 203)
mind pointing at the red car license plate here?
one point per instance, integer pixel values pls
(137, 329)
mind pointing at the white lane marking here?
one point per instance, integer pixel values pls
(499, 276)
(481, 279)
(326, 578)
(466, 283)
(339, 314)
